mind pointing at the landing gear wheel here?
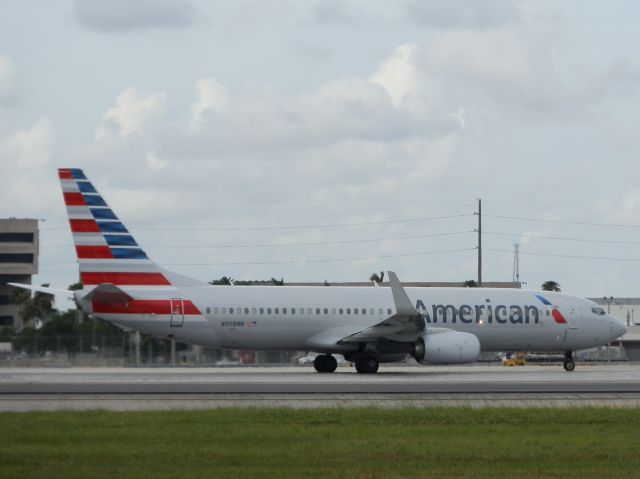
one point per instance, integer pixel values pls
(325, 363)
(569, 364)
(367, 365)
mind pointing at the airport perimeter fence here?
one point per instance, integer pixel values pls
(126, 350)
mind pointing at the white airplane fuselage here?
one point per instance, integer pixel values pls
(317, 317)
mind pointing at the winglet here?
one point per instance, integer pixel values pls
(400, 298)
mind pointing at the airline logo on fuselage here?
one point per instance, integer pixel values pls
(479, 313)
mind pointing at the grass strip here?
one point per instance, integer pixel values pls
(358, 443)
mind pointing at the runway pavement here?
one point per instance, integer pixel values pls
(171, 388)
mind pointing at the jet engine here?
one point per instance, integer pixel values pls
(447, 347)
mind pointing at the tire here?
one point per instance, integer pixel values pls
(569, 365)
(325, 363)
(367, 365)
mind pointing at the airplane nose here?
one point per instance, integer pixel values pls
(618, 328)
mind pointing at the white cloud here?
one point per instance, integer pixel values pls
(132, 112)
(463, 13)
(7, 72)
(30, 148)
(400, 76)
(154, 162)
(211, 97)
(116, 16)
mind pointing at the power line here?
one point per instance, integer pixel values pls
(561, 238)
(308, 243)
(545, 220)
(322, 260)
(289, 227)
(573, 256)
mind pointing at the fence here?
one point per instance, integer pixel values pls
(126, 350)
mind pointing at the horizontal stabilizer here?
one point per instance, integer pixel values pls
(107, 293)
(43, 289)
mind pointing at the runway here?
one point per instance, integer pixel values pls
(170, 388)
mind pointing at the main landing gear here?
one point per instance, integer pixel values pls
(569, 364)
(367, 365)
(325, 363)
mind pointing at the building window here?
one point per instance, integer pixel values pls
(16, 237)
(16, 257)
(6, 320)
(4, 299)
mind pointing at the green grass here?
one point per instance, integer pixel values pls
(244, 443)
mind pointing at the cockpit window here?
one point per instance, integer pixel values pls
(598, 311)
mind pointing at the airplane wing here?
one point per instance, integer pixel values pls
(43, 289)
(405, 325)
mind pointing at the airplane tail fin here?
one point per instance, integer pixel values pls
(106, 250)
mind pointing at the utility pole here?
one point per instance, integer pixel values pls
(479, 243)
(516, 263)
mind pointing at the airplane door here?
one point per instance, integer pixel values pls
(573, 315)
(177, 312)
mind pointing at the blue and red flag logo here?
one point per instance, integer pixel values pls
(555, 312)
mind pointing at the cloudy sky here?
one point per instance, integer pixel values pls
(315, 140)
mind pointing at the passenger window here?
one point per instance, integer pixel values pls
(216, 310)
(230, 310)
(355, 310)
(372, 311)
(254, 310)
(284, 310)
(348, 310)
(389, 311)
(246, 310)
(341, 311)
(317, 310)
(268, 310)
(326, 310)
(224, 310)
(547, 312)
(309, 310)
(333, 310)
(380, 311)
(301, 310)
(208, 310)
(261, 310)
(277, 310)
(293, 310)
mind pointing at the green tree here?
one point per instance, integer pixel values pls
(550, 286)
(40, 305)
(277, 282)
(470, 283)
(224, 281)
(378, 278)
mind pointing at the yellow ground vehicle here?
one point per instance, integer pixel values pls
(517, 359)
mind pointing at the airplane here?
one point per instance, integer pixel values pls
(367, 325)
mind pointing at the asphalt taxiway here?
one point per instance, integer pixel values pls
(24, 389)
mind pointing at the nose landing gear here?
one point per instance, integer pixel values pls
(569, 364)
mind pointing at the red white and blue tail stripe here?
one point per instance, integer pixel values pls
(106, 251)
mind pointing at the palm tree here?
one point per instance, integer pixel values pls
(377, 278)
(550, 286)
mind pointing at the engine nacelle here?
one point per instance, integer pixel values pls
(448, 347)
